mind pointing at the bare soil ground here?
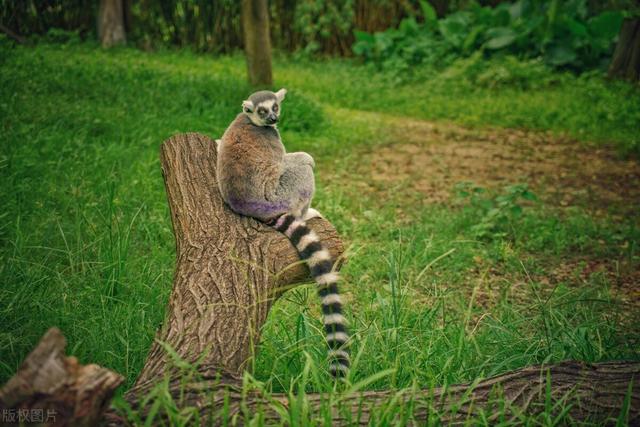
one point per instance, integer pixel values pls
(432, 158)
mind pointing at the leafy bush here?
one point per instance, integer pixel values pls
(499, 213)
(561, 33)
(321, 24)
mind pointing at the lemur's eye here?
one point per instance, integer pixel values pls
(275, 108)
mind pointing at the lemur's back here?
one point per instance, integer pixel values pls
(249, 160)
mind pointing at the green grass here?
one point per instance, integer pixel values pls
(86, 241)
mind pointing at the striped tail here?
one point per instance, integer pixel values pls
(318, 259)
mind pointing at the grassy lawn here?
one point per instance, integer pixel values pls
(492, 275)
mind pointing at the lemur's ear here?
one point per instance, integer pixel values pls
(247, 106)
(280, 94)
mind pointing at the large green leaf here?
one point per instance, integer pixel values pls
(454, 28)
(472, 38)
(606, 25)
(500, 37)
(516, 9)
(577, 28)
(429, 13)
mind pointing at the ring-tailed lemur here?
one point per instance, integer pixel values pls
(258, 178)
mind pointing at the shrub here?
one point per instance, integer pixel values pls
(562, 34)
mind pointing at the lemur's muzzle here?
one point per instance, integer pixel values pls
(272, 118)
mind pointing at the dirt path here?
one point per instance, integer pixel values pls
(432, 158)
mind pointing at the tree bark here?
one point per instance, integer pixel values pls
(591, 392)
(111, 25)
(257, 42)
(127, 16)
(230, 269)
(626, 58)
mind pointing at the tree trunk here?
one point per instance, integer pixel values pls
(230, 269)
(127, 16)
(111, 23)
(626, 58)
(257, 43)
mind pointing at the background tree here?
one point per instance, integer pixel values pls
(257, 43)
(111, 23)
(626, 58)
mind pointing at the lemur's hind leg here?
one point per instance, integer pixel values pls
(295, 161)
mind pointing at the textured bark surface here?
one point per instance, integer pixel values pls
(626, 58)
(111, 25)
(230, 268)
(229, 271)
(56, 388)
(257, 41)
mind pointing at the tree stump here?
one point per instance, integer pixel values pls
(230, 269)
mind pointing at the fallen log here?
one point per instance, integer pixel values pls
(230, 270)
(53, 389)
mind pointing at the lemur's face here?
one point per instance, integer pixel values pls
(263, 108)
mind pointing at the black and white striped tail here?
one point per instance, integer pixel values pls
(317, 257)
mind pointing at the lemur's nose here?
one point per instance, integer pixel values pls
(272, 118)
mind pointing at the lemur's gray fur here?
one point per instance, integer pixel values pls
(258, 178)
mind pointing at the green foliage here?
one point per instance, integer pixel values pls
(400, 50)
(202, 25)
(561, 33)
(56, 35)
(303, 26)
(322, 23)
(302, 114)
(501, 73)
(37, 17)
(499, 213)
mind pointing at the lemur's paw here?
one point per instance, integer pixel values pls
(311, 213)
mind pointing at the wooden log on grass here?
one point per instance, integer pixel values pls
(56, 390)
(230, 270)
